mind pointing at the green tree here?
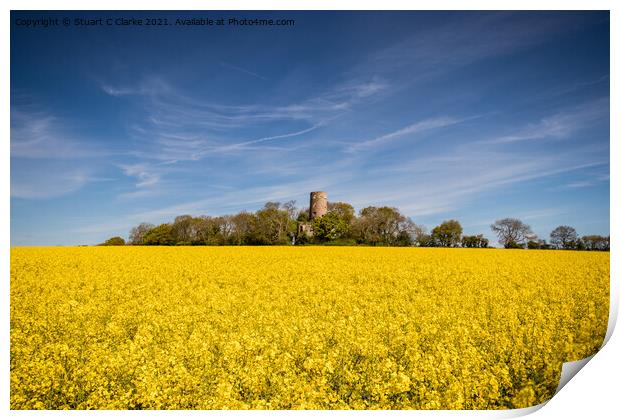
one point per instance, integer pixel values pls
(183, 229)
(160, 235)
(114, 241)
(596, 242)
(580, 245)
(511, 232)
(243, 229)
(381, 226)
(544, 245)
(426, 240)
(346, 213)
(210, 230)
(403, 239)
(564, 237)
(474, 241)
(136, 235)
(514, 245)
(274, 225)
(303, 216)
(329, 227)
(447, 234)
(384, 226)
(531, 244)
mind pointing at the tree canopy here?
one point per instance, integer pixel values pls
(114, 241)
(511, 233)
(448, 234)
(564, 237)
(279, 224)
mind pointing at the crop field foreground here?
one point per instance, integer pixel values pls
(299, 327)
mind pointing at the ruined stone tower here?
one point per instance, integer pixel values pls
(318, 204)
(318, 208)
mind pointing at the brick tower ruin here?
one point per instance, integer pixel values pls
(318, 208)
(318, 204)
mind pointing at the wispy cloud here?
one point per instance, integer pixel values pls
(498, 167)
(242, 70)
(148, 86)
(575, 86)
(178, 127)
(41, 135)
(50, 179)
(590, 180)
(146, 175)
(459, 42)
(405, 186)
(220, 202)
(579, 184)
(455, 177)
(357, 89)
(245, 144)
(115, 91)
(560, 125)
(64, 163)
(170, 110)
(415, 128)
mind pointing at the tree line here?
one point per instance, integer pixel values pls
(278, 224)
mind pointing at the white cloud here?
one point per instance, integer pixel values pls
(241, 145)
(47, 161)
(242, 70)
(179, 127)
(560, 125)
(146, 174)
(415, 128)
(40, 135)
(50, 179)
(579, 184)
(458, 42)
(118, 91)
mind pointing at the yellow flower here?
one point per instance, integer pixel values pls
(299, 327)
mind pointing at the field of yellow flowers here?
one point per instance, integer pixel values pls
(299, 327)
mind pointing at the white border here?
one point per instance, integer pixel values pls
(591, 395)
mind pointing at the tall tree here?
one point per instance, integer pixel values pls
(448, 233)
(243, 227)
(511, 232)
(183, 229)
(209, 230)
(329, 227)
(137, 233)
(474, 241)
(380, 225)
(345, 210)
(273, 225)
(414, 231)
(596, 242)
(564, 237)
(160, 235)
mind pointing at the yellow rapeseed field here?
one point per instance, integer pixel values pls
(299, 327)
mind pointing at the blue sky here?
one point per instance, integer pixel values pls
(472, 116)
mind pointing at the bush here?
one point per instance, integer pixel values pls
(514, 245)
(533, 245)
(160, 235)
(302, 239)
(114, 241)
(475, 241)
(328, 227)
